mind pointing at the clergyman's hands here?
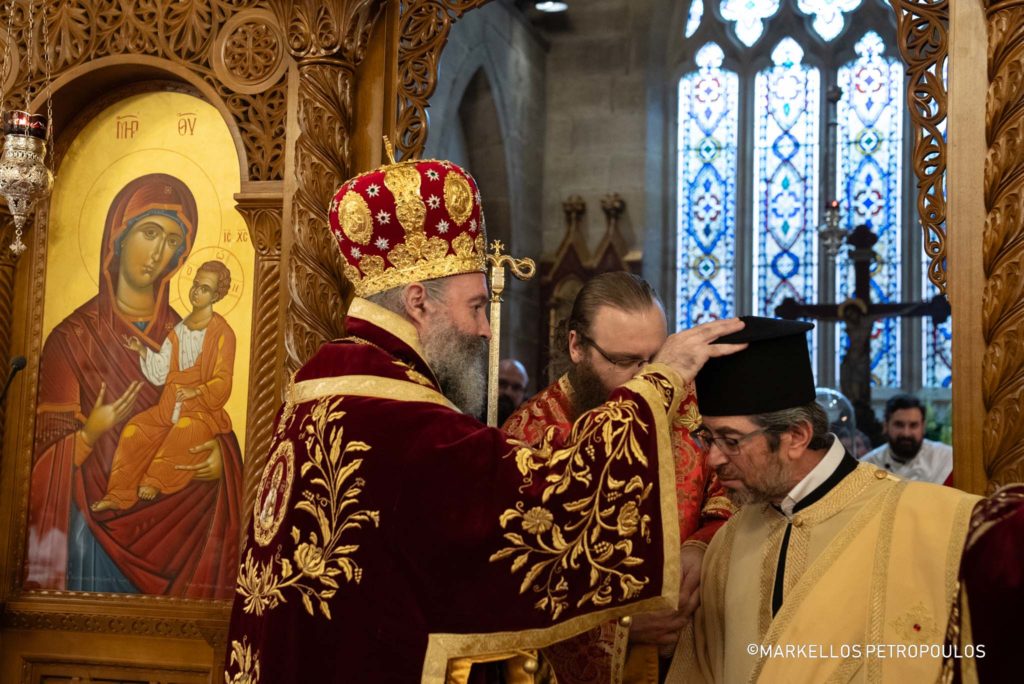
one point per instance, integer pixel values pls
(660, 629)
(691, 557)
(687, 351)
(210, 469)
(105, 416)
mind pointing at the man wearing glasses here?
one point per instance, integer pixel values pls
(615, 328)
(831, 570)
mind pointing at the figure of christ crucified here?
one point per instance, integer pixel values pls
(859, 314)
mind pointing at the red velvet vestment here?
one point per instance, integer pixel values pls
(598, 656)
(392, 533)
(984, 634)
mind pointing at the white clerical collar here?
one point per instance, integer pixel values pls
(816, 477)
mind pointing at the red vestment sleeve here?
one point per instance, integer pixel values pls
(392, 534)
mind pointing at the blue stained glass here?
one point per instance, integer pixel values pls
(938, 347)
(828, 15)
(693, 19)
(749, 16)
(869, 188)
(706, 188)
(786, 174)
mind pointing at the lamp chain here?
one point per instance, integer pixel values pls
(47, 64)
(30, 53)
(7, 67)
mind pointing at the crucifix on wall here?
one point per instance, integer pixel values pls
(859, 314)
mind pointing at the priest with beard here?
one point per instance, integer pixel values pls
(831, 570)
(616, 326)
(907, 453)
(394, 538)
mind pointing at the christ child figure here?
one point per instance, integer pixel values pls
(158, 451)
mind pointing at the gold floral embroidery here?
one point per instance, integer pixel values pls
(688, 417)
(404, 183)
(600, 529)
(372, 265)
(288, 410)
(423, 259)
(248, 664)
(331, 494)
(417, 247)
(666, 390)
(413, 374)
(464, 245)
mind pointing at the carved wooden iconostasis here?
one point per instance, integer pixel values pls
(191, 140)
(220, 130)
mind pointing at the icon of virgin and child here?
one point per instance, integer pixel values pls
(136, 475)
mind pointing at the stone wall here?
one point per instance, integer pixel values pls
(488, 113)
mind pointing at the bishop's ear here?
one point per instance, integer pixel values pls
(414, 297)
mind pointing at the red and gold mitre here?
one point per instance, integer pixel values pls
(408, 222)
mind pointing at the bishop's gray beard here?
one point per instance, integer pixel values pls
(459, 362)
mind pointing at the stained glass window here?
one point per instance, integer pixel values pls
(786, 179)
(693, 19)
(828, 15)
(869, 154)
(749, 16)
(707, 189)
(749, 189)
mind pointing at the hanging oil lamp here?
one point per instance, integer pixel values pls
(24, 176)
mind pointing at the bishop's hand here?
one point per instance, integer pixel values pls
(687, 351)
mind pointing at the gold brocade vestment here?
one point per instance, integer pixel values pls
(602, 656)
(869, 579)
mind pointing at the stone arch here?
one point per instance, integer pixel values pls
(475, 60)
(486, 157)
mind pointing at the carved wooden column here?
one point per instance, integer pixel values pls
(327, 40)
(424, 26)
(7, 263)
(922, 29)
(261, 206)
(1002, 244)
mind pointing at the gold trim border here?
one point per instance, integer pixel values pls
(372, 386)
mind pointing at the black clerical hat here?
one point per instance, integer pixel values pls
(771, 374)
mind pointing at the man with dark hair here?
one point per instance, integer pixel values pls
(512, 383)
(831, 570)
(907, 453)
(615, 328)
